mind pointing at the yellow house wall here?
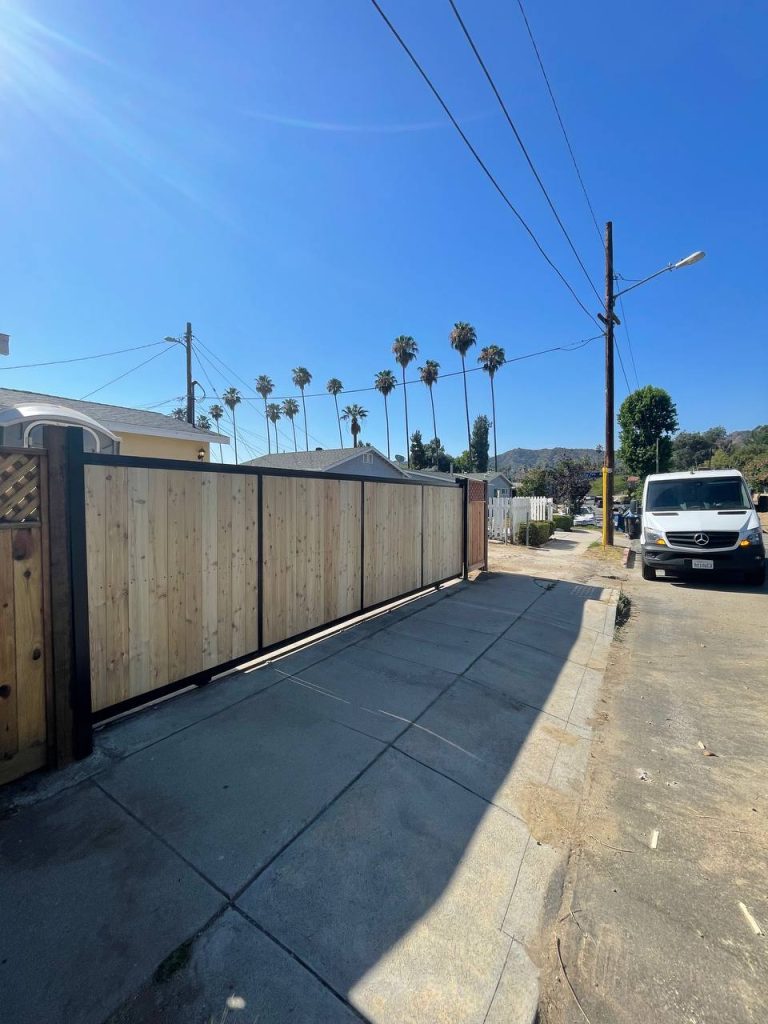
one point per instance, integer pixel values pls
(149, 447)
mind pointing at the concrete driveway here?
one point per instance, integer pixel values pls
(370, 828)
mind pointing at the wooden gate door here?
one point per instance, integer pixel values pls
(477, 525)
(24, 644)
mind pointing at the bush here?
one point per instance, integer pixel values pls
(562, 522)
(538, 533)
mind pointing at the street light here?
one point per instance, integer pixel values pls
(610, 319)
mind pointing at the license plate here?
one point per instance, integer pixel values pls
(702, 563)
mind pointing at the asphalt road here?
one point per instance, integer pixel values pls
(666, 888)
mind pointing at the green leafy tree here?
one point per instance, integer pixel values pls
(335, 387)
(355, 414)
(217, 413)
(273, 415)
(537, 483)
(405, 350)
(647, 416)
(479, 443)
(385, 383)
(429, 374)
(463, 337)
(302, 378)
(265, 387)
(492, 358)
(693, 450)
(418, 452)
(290, 409)
(437, 455)
(463, 463)
(571, 483)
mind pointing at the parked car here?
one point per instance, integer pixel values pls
(584, 517)
(700, 522)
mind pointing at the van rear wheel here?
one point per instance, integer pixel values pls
(648, 572)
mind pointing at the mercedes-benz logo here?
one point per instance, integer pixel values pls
(702, 539)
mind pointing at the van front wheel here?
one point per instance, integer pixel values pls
(756, 578)
(648, 572)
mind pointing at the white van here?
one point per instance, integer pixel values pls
(699, 522)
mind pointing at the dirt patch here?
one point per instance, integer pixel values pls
(549, 813)
(556, 733)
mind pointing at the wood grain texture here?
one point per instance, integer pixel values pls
(9, 730)
(442, 544)
(96, 557)
(477, 531)
(311, 556)
(392, 564)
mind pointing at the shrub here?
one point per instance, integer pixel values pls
(562, 522)
(538, 532)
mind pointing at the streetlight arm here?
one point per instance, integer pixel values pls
(687, 262)
(644, 281)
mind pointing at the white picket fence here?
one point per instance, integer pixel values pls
(506, 514)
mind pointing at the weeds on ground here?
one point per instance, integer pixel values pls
(623, 609)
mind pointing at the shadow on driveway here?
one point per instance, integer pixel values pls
(365, 829)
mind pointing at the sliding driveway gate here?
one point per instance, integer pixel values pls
(191, 568)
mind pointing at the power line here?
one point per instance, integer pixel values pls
(252, 398)
(560, 120)
(522, 145)
(621, 364)
(478, 158)
(132, 370)
(572, 347)
(82, 359)
(629, 340)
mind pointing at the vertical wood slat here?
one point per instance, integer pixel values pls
(28, 612)
(139, 614)
(209, 598)
(192, 541)
(177, 593)
(224, 566)
(116, 583)
(251, 564)
(9, 730)
(96, 556)
(158, 578)
(239, 646)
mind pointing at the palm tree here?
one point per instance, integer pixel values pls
(265, 387)
(290, 408)
(385, 383)
(335, 387)
(463, 337)
(179, 413)
(216, 413)
(203, 423)
(429, 373)
(405, 351)
(492, 358)
(232, 399)
(355, 413)
(301, 378)
(273, 414)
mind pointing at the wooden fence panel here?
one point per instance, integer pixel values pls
(311, 553)
(24, 632)
(442, 544)
(172, 576)
(392, 561)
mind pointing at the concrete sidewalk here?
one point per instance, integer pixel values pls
(370, 828)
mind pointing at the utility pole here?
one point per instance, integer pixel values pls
(608, 320)
(190, 383)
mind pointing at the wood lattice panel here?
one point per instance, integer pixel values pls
(476, 490)
(19, 488)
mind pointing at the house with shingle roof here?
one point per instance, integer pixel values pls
(106, 428)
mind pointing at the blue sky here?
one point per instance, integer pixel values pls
(278, 174)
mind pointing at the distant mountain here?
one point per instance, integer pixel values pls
(517, 460)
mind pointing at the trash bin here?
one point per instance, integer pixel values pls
(762, 503)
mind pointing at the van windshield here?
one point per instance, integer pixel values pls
(726, 493)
